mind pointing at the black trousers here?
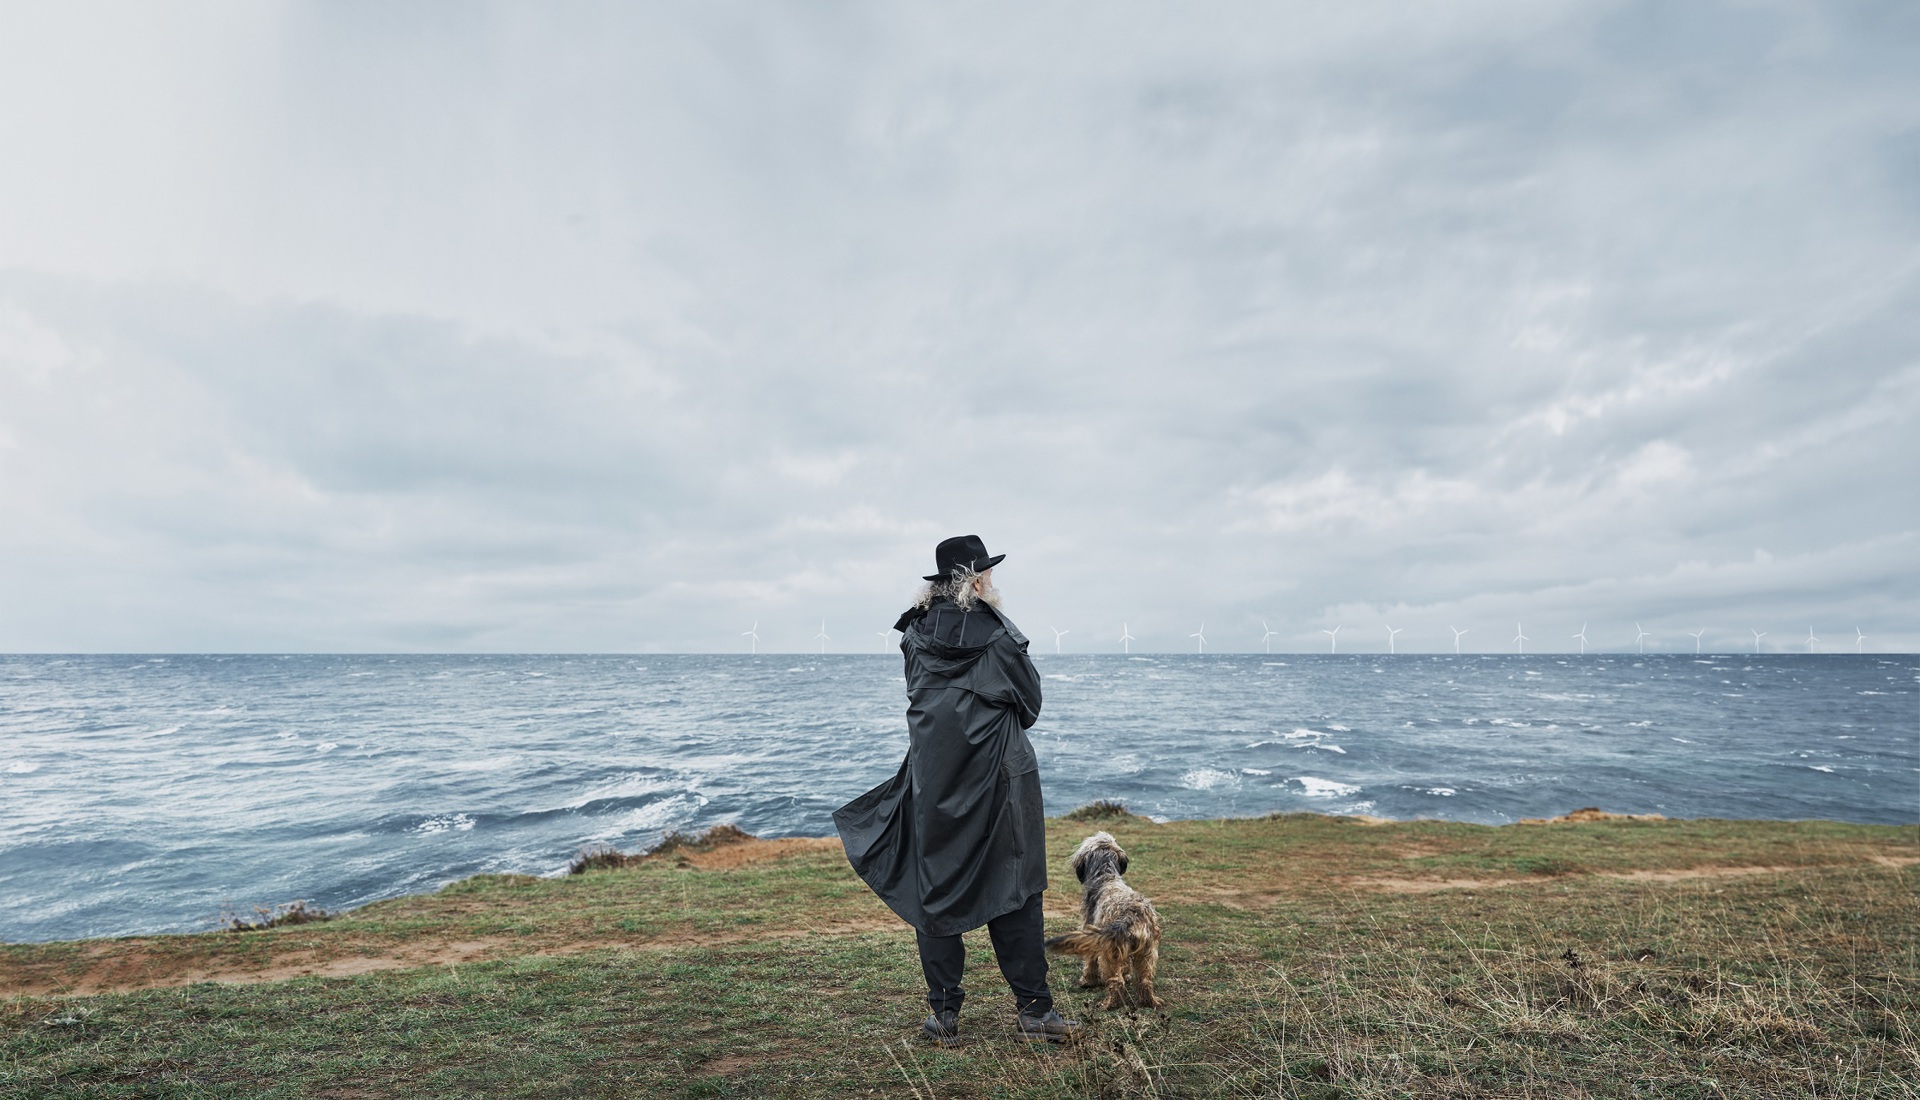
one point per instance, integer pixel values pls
(1017, 945)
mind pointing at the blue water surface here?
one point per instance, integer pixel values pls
(146, 794)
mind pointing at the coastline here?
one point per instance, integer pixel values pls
(1464, 926)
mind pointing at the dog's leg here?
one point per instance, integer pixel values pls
(1090, 973)
(1148, 961)
(1116, 968)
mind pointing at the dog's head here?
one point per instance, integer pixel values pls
(1096, 851)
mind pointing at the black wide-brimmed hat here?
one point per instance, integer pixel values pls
(962, 550)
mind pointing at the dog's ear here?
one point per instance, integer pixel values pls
(1122, 862)
(1080, 867)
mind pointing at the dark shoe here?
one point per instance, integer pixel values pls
(1051, 1028)
(943, 1028)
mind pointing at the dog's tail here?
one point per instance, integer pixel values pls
(1094, 940)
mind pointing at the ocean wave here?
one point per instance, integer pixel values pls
(1206, 779)
(441, 823)
(1316, 787)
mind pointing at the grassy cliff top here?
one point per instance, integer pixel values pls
(1304, 956)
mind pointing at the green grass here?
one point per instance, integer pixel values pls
(1286, 974)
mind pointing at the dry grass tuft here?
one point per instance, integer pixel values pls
(1102, 810)
(677, 844)
(292, 912)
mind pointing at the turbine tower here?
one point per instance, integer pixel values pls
(1520, 639)
(822, 637)
(1202, 635)
(1057, 635)
(753, 637)
(1457, 635)
(885, 636)
(1266, 646)
(1390, 633)
(1583, 638)
(1757, 635)
(1696, 639)
(1810, 639)
(1859, 637)
(1639, 639)
(1125, 638)
(1333, 639)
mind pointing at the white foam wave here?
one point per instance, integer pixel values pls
(21, 767)
(664, 812)
(1821, 768)
(441, 823)
(1443, 792)
(1316, 787)
(1341, 729)
(1206, 779)
(326, 746)
(1332, 748)
(1255, 771)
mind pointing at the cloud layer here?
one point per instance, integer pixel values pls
(341, 327)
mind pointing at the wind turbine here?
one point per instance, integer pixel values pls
(1696, 639)
(753, 637)
(1457, 635)
(1639, 644)
(1520, 639)
(1583, 637)
(1757, 635)
(1858, 639)
(1390, 633)
(1202, 635)
(1266, 646)
(1057, 635)
(822, 637)
(885, 636)
(1333, 639)
(1810, 639)
(1124, 639)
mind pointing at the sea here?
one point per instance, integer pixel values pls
(143, 794)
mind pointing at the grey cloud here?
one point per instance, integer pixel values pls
(610, 327)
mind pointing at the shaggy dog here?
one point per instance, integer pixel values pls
(1119, 933)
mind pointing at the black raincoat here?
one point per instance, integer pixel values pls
(956, 839)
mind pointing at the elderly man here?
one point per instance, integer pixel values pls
(956, 838)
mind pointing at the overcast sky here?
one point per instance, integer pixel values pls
(578, 327)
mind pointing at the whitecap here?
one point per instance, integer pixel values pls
(326, 746)
(441, 823)
(22, 767)
(1821, 768)
(1682, 740)
(1316, 787)
(1255, 771)
(1332, 748)
(1206, 779)
(1341, 729)
(664, 812)
(1639, 725)
(1057, 676)
(1443, 792)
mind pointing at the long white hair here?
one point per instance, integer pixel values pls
(958, 586)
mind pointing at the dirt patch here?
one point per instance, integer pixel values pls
(1586, 814)
(732, 1063)
(1678, 874)
(1684, 873)
(744, 852)
(1428, 885)
(123, 967)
